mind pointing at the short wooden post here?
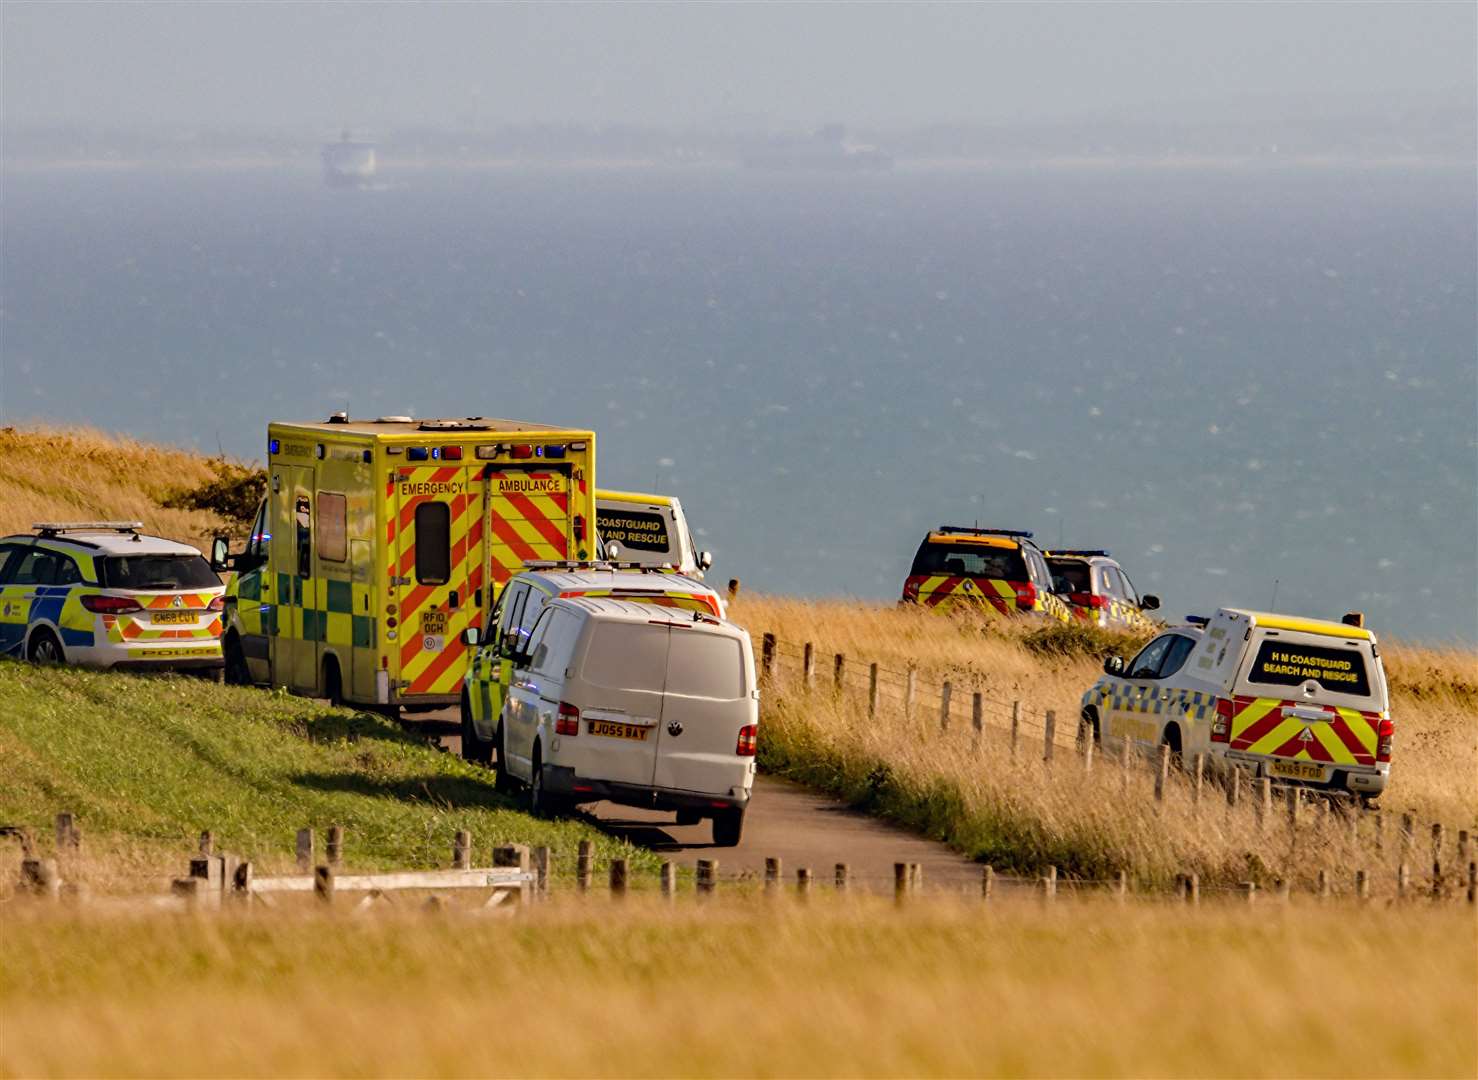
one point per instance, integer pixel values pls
(843, 871)
(944, 694)
(839, 673)
(772, 875)
(1473, 882)
(1121, 885)
(915, 877)
(241, 882)
(462, 850)
(1403, 881)
(618, 878)
(1015, 725)
(1088, 750)
(707, 877)
(543, 869)
(1436, 860)
(1408, 836)
(515, 857)
(1380, 830)
(733, 589)
(1126, 754)
(1234, 787)
(900, 882)
(584, 866)
(207, 842)
(68, 835)
(335, 847)
(987, 881)
(872, 689)
(1282, 888)
(210, 871)
(1198, 779)
(1049, 736)
(1264, 801)
(1162, 772)
(39, 878)
(1191, 887)
(977, 717)
(808, 665)
(1049, 884)
(1464, 849)
(803, 882)
(1362, 885)
(1294, 799)
(323, 884)
(669, 880)
(767, 654)
(1249, 890)
(1323, 887)
(910, 692)
(305, 850)
(187, 889)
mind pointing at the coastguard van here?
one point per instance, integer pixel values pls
(635, 704)
(650, 530)
(1301, 701)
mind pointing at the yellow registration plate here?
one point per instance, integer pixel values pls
(619, 731)
(173, 617)
(433, 622)
(1297, 770)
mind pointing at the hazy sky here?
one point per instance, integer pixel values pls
(322, 64)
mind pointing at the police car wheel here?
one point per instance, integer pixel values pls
(45, 649)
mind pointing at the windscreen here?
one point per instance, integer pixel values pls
(157, 572)
(1070, 576)
(1280, 662)
(970, 560)
(705, 665)
(626, 656)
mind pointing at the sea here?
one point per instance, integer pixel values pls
(1255, 386)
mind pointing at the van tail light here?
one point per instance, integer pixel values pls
(1387, 732)
(1026, 595)
(1221, 725)
(568, 720)
(111, 605)
(748, 740)
(217, 604)
(911, 588)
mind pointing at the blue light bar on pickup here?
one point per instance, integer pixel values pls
(1080, 553)
(971, 530)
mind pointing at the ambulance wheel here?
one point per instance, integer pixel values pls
(333, 682)
(478, 751)
(45, 648)
(237, 673)
(728, 827)
(502, 780)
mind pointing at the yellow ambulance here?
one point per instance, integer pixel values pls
(380, 541)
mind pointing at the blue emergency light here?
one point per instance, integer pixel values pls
(417, 453)
(274, 445)
(970, 529)
(1197, 620)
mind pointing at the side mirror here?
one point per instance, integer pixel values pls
(471, 636)
(220, 557)
(705, 560)
(1113, 665)
(1149, 602)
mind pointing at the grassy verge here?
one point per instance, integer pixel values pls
(147, 763)
(747, 988)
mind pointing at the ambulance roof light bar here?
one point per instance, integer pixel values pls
(1198, 620)
(51, 528)
(974, 531)
(1086, 553)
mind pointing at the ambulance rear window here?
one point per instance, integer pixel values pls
(433, 543)
(1289, 663)
(969, 560)
(156, 572)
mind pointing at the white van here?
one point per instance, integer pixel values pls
(651, 531)
(637, 705)
(1301, 701)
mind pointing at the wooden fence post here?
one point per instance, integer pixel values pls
(241, 882)
(1436, 860)
(1295, 800)
(68, 835)
(1362, 885)
(1049, 884)
(1126, 752)
(1283, 889)
(872, 689)
(1234, 787)
(843, 871)
(187, 889)
(1473, 882)
(1380, 830)
(1191, 886)
(839, 673)
(584, 866)
(987, 881)
(1198, 780)
(803, 881)
(1249, 890)
(1403, 881)
(944, 693)
(1162, 772)
(305, 849)
(210, 871)
(767, 654)
(1015, 725)
(772, 874)
(900, 882)
(208, 842)
(910, 692)
(323, 884)
(1408, 836)
(618, 878)
(669, 880)
(977, 717)
(1464, 851)
(39, 878)
(334, 850)
(543, 869)
(808, 665)
(514, 856)
(1264, 801)
(1088, 750)
(462, 850)
(915, 877)
(1323, 886)
(707, 877)
(1121, 885)
(1049, 737)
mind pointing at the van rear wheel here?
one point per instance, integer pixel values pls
(728, 827)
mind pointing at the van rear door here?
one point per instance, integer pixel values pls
(1309, 703)
(623, 666)
(707, 701)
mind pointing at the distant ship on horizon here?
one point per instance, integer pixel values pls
(827, 150)
(349, 162)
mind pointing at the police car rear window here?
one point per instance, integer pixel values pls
(1287, 663)
(968, 560)
(157, 572)
(1073, 574)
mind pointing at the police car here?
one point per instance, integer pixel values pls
(102, 594)
(1300, 701)
(1098, 591)
(988, 570)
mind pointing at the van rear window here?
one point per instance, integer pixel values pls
(969, 560)
(635, 529)
(705, 665)
(622, 656)
(1287, 663)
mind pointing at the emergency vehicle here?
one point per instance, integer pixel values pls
(1098, 592)
(102, 594)
(1297, 700)
(651, 531)
(505, 633)
(990, 570)
(380, 541)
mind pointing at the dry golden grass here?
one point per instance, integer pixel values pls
(747, 987)
(78, 474)
(1015, 813)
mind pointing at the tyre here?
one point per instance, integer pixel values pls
(541, 803)
(237, 673)
(728, 827)
(333, 682)
(503, 780)
(45, 648)
(476, 750)
(1171, 737)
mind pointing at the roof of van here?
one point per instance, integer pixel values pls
(635, 580)
(427, 428)
(1302, 625)
(602, 495)
(629, 611)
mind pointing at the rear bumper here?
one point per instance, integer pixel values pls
(562, 780)
(1357, 779)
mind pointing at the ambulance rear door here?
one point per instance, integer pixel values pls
(526, 518)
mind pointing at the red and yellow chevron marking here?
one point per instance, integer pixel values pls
(945, 590)
(685, 601)
(528, 516)
(1348, 737)
(121, 628)
(437, 670)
